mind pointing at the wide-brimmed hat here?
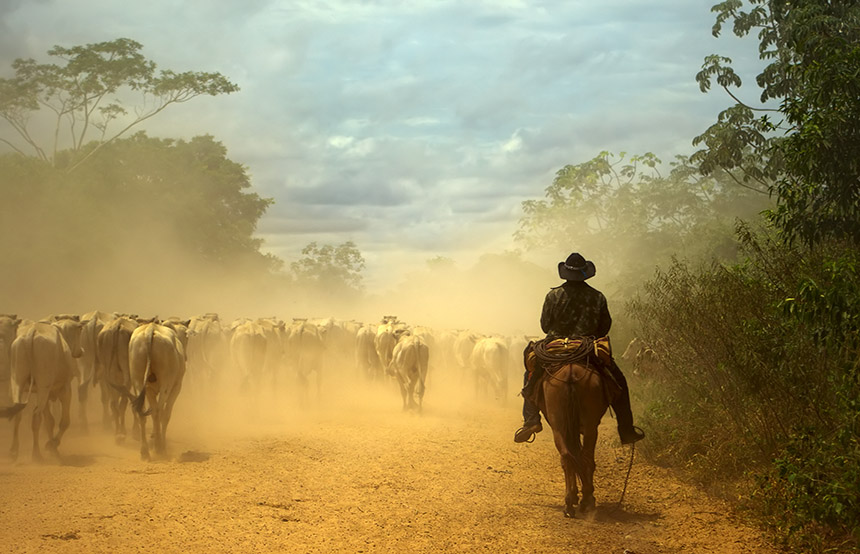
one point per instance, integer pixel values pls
(576, 268)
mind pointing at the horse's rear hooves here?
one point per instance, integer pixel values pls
(587, 505)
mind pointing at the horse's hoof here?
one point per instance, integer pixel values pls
(587, 504)
(570, 513)
(52, 445)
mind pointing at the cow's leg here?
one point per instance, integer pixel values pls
(420, 391)
(502, 384)
(121, 411)
(65, 419)
(157, 427)
(48, 424)
(36, 423)
(144, 445)
(107, 418)
(410, 393)
(404, 391)
(166, 411)
(82, 403)
(16, 424)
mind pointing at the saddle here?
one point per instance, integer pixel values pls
(545, 357)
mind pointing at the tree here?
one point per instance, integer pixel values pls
(82, 97)
(623, 211)
(337, 269)
(806, 152)
(146, 216)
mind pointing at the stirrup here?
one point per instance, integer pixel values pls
(632, 435)
(533, 430)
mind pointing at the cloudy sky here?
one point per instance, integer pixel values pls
(413, 128)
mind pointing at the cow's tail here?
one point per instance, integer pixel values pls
(137, 403)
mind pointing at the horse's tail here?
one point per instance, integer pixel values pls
(572, 423)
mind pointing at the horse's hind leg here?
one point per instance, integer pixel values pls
(568, 465)
(589, 442)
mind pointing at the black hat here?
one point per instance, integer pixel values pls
(575, 268)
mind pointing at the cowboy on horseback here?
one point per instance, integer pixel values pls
(571, 310)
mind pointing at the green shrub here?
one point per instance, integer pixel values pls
(758, 382)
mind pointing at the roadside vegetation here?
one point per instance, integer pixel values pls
(740, 273)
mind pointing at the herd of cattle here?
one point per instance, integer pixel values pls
(143, 364)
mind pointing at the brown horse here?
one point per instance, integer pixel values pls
(573, 397)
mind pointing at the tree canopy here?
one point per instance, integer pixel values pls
(335, 269)
(143, 213)
(803, 143)
(83, 100)
(624, 211)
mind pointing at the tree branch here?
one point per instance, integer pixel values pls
(744, 104)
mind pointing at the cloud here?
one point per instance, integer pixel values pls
(411, 125)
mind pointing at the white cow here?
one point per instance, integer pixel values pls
(642, 356)
(8, 331)
(208, 350)
(157, 365)
(305, 344)
(88, 364)
(113, 371)
(409, 363)
(489, 361)
(248, 349)
(366, 358)
(463, 346)
(43, 365)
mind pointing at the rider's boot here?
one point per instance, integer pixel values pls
(531, 413)
(531, 423)
(627, 432)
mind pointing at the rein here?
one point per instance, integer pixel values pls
(626, 478)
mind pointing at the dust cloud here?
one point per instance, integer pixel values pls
(64, 254)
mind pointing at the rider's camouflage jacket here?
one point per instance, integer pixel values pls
(575, 309)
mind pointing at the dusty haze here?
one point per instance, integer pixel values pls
(58, 258)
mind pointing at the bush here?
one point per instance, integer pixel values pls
(758, 382)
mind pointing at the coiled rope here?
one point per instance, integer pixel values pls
(555, 353)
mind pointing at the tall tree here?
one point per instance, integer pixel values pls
(83, 97)
(803, 143)
(623, 211)
(336, 269)
(145, 216)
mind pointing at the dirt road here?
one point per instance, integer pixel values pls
(351, 474)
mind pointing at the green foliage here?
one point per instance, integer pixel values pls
(334, 269)
(808, 156)
(82, 96)
(758, 373)
(632, 218)
(142, 211)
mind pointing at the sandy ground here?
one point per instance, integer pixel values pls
(350, 473)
